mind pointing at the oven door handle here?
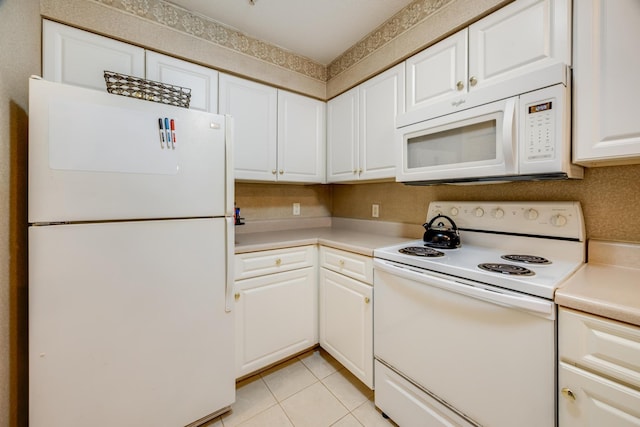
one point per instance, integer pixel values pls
(523, 302)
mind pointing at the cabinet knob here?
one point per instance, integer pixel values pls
(278, 261)
(359, 171)
(460, 85)
(367, 300)
(237, 296)
(273, 171)
(566, 392)
(355, 171)
(281, 171)
(473, 81)
(341, 262)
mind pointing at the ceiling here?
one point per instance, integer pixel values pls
(320, 30)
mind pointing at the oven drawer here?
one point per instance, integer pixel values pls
(356, 266)
(407, 405)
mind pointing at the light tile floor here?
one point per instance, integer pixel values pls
(311, 390)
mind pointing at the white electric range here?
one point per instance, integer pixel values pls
(467, 336)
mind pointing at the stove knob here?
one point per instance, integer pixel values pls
(531, 214)
(478, 212)
(454, 211)
(558, 220)
(497, 213)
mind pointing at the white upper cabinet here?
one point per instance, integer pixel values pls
(80, 58)
(202, 81)
(523, 46)
(301, 138)
(524, 36)
(254, 108)
(438, 72)
(279, 135)
(361, 128)
(606, 88)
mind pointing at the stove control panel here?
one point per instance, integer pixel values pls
(549, 219)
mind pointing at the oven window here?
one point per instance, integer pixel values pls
(471, 143)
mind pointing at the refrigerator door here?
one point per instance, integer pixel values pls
(127, 323)
(95, 156)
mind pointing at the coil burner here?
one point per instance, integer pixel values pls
(527, 259)
(421, 251)
(508, 269)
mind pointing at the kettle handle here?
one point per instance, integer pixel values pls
(430, 223)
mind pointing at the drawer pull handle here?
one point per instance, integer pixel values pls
(237, 296)
(278, 261)
(566, 392)
(341, 262)
(367, 300)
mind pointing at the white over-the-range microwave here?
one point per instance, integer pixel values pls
(520, 130)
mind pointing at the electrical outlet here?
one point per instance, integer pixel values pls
(296, 208)
(375, 210)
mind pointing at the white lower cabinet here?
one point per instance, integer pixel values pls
(599, 371)
(276, 314)
(346, 312)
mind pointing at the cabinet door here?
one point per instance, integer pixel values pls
(588, 400)
(381, 100)
(346, 323)
(606, 89)
(254, 110)
(80, 58)
(202, 81)
(342, 137)
(276, 317)
(301, 138)
(522, 37)
(437, 73)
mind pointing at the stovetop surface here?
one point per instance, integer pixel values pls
(565, 258)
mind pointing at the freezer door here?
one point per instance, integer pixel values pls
(127, 323)
(95, 156)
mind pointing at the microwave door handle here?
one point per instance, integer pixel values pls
(509, 129)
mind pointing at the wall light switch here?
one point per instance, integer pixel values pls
(375, 210)
(296, 208)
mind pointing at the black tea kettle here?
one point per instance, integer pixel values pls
(441, 237)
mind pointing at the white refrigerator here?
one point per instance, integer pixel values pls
(130, 252)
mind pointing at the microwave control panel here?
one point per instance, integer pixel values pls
(540, 131)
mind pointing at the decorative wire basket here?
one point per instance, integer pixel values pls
(135, 87)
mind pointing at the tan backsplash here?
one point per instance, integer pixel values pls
(275, 201)
(610, 199)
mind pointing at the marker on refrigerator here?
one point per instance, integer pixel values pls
(167, 130)
(173, 134)
(161, 133)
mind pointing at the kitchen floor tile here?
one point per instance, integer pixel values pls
(347, 421)
(370, 416)
(321, 363)
(288, 378)
(347, 388)
(272, 417)
(252, 397)
(314, 406)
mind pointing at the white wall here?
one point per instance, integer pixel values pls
(19, 58)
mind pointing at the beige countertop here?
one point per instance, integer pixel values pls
(608, 285)
(361, 237)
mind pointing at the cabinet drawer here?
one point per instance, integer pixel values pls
(606, 346)
(587, 400)
(359, 267)
(254, 264)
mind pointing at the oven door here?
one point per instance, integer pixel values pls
(476, 143)
(487, 354)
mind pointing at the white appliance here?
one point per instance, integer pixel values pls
(467, 336)
(488, 136)
(130, 249)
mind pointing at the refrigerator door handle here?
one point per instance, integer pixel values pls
(230, 267)
(230, 183)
